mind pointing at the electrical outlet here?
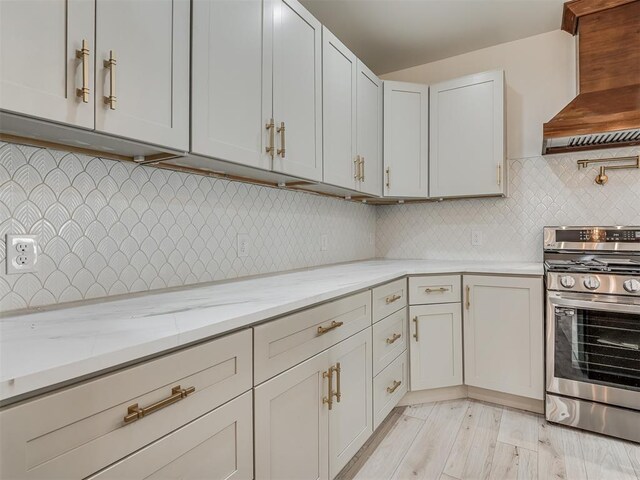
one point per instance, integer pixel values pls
(324, 242)
(243, 245)
(476, 238)
(21, 253)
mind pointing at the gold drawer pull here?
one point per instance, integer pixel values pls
(356, 168)
(393, 338)
(271, 128)
(134, 412)
(392, 298)
(280, 130)
(415, 320)
(362, 168)
(468, 302)
(394, 387)
(338, 393)
(434, 290)
(322, 330)
(83, 54)
(329, 399)
(111, 65)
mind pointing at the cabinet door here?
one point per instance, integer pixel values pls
(227, 117)
(150, 77)
(351, 419)
(369, 129)
(218, 445)
(291, 423)
(405, 139)
(435, 346)
(40, 72)
(297, 94)
(338, 113)
(467, 141)
(503, 340)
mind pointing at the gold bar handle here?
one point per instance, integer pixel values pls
(322, 330)
(393, 338)
(388, 177)
(392, 298)
(271, 128)
(83, 54)
(415, 321)
(499, 174)
(329, 399)
(468, 302)
(338, 392)
(356, 167)
(111, 65)
(394, 386)
(280, 130)
(134, 412)
(362, 169)
(436, 290)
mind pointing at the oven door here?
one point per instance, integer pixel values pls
(593, 347)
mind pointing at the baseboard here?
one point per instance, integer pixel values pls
(464, 391)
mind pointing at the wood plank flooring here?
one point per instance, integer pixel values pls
(471, 440)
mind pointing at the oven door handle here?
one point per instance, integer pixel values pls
(592, 303)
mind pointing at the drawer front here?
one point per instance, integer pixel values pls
(216, 446)
(389, 339)
(386, 391)
(389, 298)
(78, 431)
(434, 289)
(283, 343)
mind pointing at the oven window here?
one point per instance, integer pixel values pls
(598, 347)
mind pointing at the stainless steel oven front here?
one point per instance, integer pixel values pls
(593, 347)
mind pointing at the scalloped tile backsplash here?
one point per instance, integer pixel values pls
(110, 227)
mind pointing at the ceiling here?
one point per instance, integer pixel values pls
(390, 35)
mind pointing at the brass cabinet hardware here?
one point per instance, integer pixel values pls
(388, 177)
(415, 321)
(392, 298)
(394, 386)
(83, 54)
(271, 128)
(280, 130)
(393, 338)
(362, 169)
(111, 65)
(436, 290)
(356, 167)
(134, 412)
(322, 330)
(329, 398)
(468, 302)
(338, 392)
(499, 174)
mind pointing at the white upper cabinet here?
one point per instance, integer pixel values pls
(296, 39)
(369, 130)
(229, 111)
(40, 73)
(467, 140)
(142, 70)
(339, 72)
(405, 139)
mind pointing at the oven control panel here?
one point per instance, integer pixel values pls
(594, 283)
(592, 238)
(597, 235)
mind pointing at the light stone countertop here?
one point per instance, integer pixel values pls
(49, 347)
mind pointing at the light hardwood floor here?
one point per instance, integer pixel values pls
(466, 439)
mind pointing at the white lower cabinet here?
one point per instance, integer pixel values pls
(389, 387)
(435, 346)
(504, 334)
(311, 419)
(216, 446)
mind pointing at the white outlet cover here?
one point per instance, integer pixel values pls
(243, 245)
(21, 253)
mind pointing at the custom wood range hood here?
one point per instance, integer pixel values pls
(606, 112)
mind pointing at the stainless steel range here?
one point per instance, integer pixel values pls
(593, 328)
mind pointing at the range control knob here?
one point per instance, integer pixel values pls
(567, 281)
(591, 283)
(632, 285)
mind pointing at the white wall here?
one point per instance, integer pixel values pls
(540, 79)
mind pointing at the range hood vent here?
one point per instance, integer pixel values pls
(606, 112)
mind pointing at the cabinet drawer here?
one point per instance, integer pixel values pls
(385, 397)
(389, 298)
(78, 431)
(218, 445)
(434, 289)
(283, 343)
(389, 339)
